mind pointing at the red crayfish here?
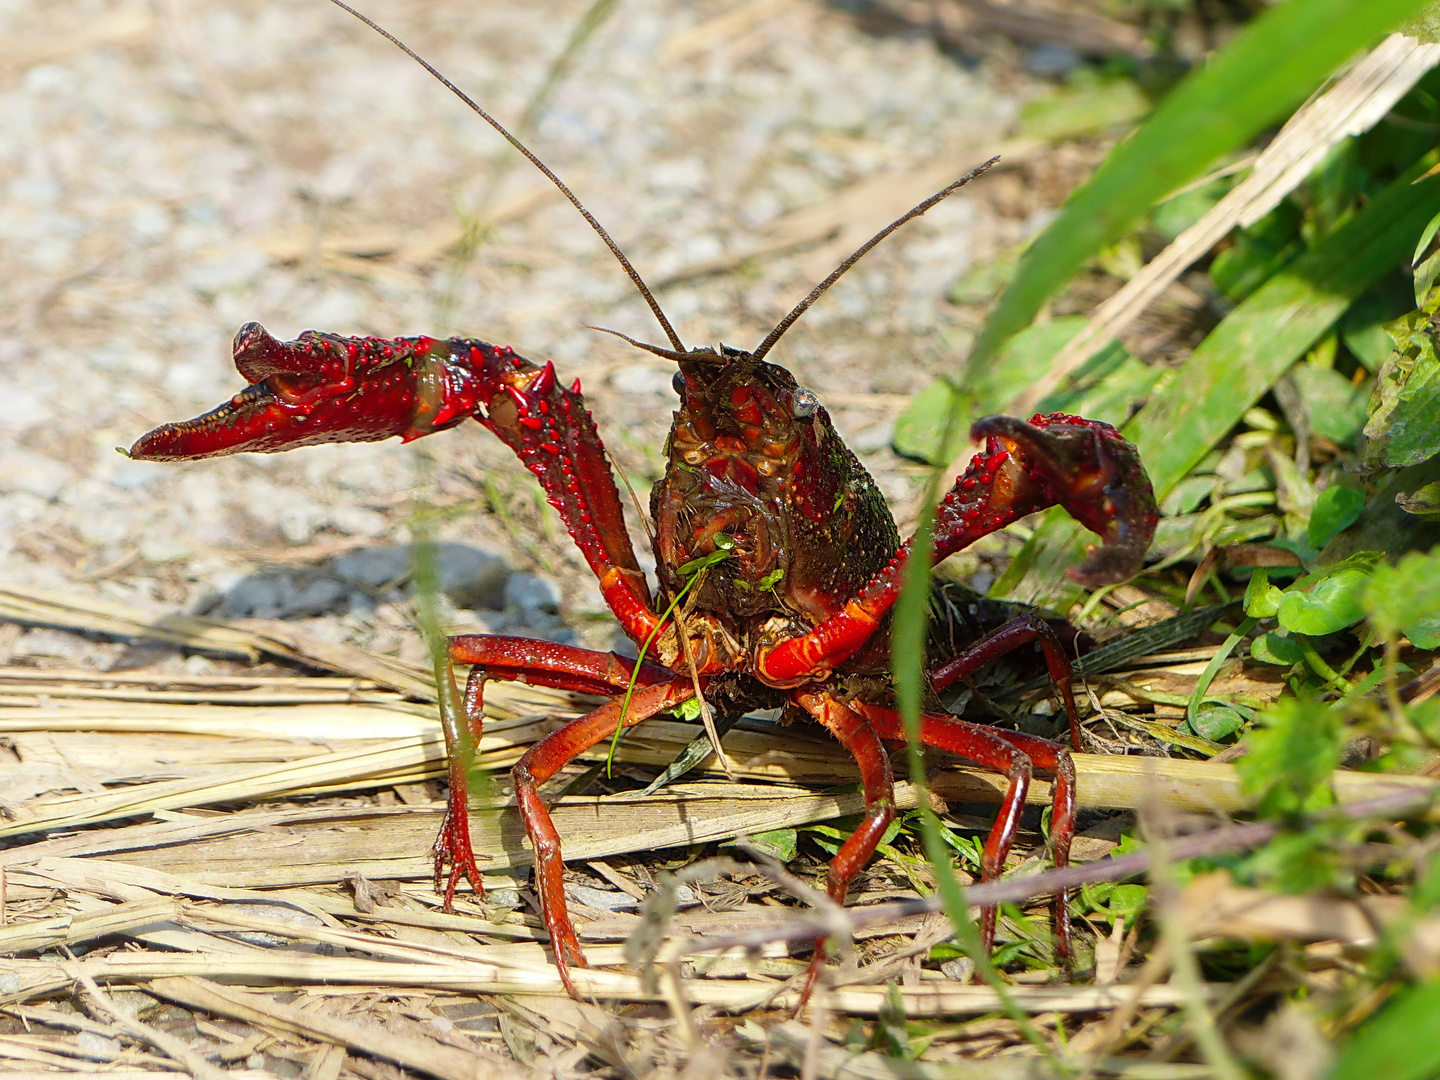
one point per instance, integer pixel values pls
(772, 537)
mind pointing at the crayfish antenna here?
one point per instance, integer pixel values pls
(548, 173)
(859, 253)
(668, 354)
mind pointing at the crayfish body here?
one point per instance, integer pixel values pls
(777, 559)
(773, 532)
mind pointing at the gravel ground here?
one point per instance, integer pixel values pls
(173, 171)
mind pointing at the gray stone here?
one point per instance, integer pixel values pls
(472, 577)
(35, 474)
(603, 899)
(530, 592)
(374, 567)
(643, 379)
(273, 594)
(1051, 60)
(97, 1047)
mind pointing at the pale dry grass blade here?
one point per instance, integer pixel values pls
(739, 20)
(1352, 105)
(264, 967)
(1212, 906)
(164, 1041)
(48, 608)
(789, 1043)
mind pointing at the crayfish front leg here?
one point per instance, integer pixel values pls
(539, 663)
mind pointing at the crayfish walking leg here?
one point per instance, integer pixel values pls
(1015, 756)
(540, 663)
(544, 760)
(854, 732)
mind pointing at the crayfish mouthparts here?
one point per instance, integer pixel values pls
(1096, 475)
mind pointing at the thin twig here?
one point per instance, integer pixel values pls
(1230, 838)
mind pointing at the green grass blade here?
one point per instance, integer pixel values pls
(907, 654)
(1253, 82)
(1399, 1043)
(1240, 360)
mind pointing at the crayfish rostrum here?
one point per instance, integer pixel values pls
(777, 544)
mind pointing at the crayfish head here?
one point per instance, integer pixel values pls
(762, 492)
(1087, 467)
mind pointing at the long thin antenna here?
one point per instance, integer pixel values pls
(819, 290)
(549, 175)
(668, 354)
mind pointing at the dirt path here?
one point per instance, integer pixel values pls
(175, 170)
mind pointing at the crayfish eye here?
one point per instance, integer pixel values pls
(803, 404)
(677, 382)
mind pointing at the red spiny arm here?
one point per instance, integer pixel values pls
(547, 663)
(553, 434)
(325, 388)
(1082, 465)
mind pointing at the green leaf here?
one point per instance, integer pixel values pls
(1398, 1043)
(1414, 431)
(1334, 602)
(1243, 356)
(920, 431)
(1303, 862)
(1216, 722)
(1264, 72)
(1293, 749)
(1178, 213)
(1425, 26)
(1258, 252)
(1237, 363)
(1020, 361)
(723, 545)
(1335, 405)
(1262, 600)
(1336, 509)
(1092, 104)
(1426, 266)
(1423, 502)
(1402, 430)
(782, 843)
(1273, 648)
(1128, 900)
(1363, 326)
(1405, 599)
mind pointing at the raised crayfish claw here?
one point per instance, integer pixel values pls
(323, 388)
(1088, 468)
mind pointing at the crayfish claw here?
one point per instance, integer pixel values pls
(1088, 468)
